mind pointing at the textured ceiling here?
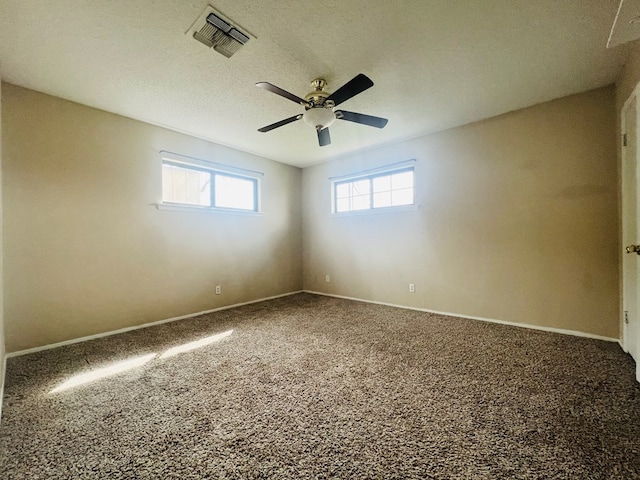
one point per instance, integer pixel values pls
(435, 63)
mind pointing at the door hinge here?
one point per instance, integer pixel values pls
(626, 317)
(624, 139)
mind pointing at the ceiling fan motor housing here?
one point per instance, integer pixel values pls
(318, 96)
(319, 113)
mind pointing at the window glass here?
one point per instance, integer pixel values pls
(402, 180)
(382, 184)
(343, 190)
(402, 197)
(381, 199)
(386, 189)
(360, 202)
(186, 186)
(197, 184)
(342, 204)
(234, 192)
(360, 187)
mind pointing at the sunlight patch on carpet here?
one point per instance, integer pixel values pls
(186, 347)
(125, 365)
(104, 372)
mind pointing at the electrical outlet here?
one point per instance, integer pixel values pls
(412, 288)
(327, 278)
(218, 289)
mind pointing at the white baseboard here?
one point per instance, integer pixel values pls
(191, 315)
(144, 325)
(3, 372)
(483, 319)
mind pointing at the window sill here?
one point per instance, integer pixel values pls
(376, 211)
(196, 209)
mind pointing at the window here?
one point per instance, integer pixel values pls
(195, 183)
(380, 189)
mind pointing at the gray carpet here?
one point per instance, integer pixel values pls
(316, 387)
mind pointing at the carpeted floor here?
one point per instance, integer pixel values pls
(311, 387)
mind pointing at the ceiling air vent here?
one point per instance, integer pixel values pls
(218, 32)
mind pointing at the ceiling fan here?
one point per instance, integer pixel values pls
(319, 106)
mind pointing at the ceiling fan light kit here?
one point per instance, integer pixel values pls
(319, 117)
(320, 106)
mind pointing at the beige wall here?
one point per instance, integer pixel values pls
(517, 221)
(629, 77)
(87, 252)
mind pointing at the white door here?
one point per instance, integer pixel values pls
(630, 234)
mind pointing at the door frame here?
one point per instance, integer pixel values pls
(624, 327)
(624, 330)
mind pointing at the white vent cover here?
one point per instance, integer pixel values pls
(218, 32)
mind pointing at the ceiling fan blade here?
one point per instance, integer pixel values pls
(370, 120)
(268, 128)
(353, 87)
(283, 93)
(323, 137)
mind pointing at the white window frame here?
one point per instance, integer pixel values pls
(213, 168)
(370, 174)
